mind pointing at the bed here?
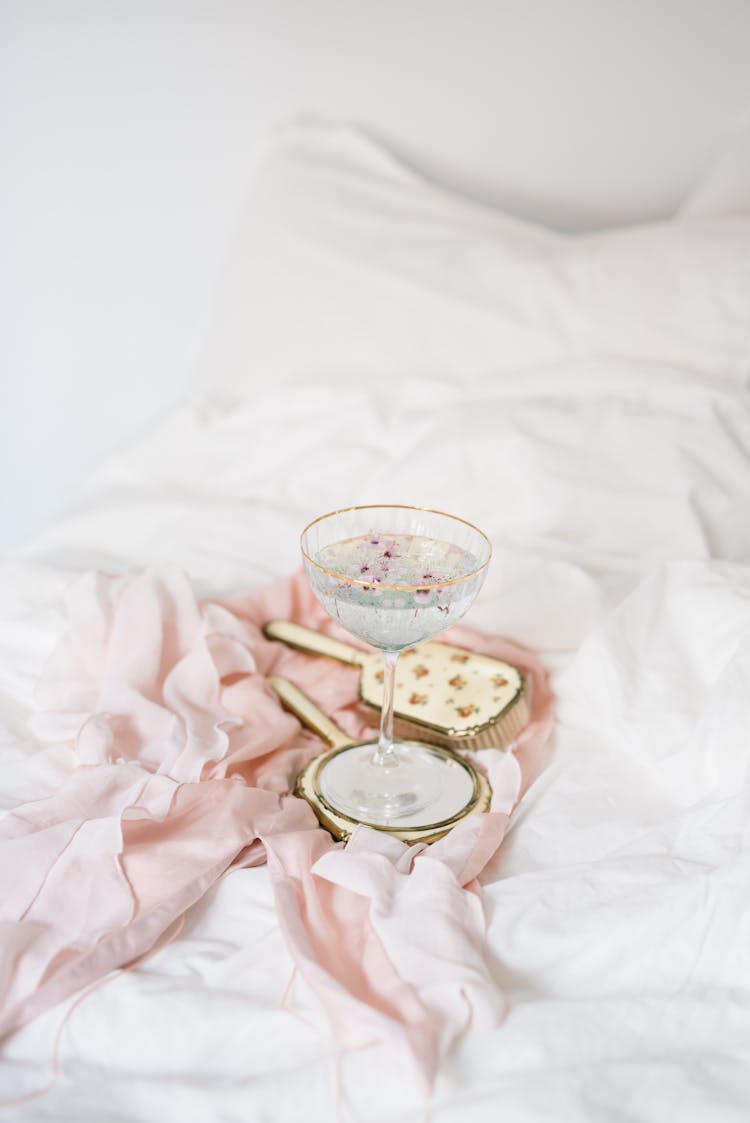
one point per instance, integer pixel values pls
(585, 400)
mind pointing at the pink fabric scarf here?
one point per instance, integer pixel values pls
(173, 762)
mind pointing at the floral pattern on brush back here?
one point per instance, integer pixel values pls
(430, 686)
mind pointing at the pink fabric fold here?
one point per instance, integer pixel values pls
(180, 764)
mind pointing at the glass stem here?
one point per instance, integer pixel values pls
(385, 752)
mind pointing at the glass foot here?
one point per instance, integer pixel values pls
(423, 785)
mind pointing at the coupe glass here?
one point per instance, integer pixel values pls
(394, 576)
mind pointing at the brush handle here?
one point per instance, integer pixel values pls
(293, 699)
(305, 639)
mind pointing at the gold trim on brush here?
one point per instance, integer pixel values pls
(307, 640)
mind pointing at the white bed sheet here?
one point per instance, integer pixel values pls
(618, 498)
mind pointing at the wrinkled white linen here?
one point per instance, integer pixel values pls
(618, 499)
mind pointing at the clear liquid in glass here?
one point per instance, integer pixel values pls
(361, 586)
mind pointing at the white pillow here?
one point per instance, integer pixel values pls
(350, 265)
(724, 186)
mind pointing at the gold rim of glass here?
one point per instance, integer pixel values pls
(394, 507)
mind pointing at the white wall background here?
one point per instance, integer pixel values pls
(127, 143)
